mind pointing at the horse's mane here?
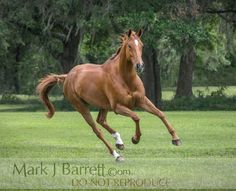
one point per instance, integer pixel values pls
(114, 55)
(123, 38)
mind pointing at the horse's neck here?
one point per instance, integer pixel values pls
(126, 69)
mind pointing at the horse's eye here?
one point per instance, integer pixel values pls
(129, 46)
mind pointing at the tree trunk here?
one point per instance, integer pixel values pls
(16, 70)
(151, 76)
(70, 51)
(184, 84)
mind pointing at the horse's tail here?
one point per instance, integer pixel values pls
(43, 88)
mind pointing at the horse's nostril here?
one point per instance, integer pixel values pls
(139, 68)
(139, 65)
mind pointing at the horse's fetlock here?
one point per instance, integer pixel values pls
(172, 132)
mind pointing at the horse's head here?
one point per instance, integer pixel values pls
(134, 47)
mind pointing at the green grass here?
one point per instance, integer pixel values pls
(205, 160)
(204, 134)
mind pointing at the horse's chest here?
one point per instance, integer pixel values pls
(128, 96)
(126, 93)
(127, 90)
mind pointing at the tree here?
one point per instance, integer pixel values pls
(188, 54)
(152, 76)
(12, 17)
(65, 20)
(38, 37)
(185, 78)
(186, 32)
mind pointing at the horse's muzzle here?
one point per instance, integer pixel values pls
(139, 68)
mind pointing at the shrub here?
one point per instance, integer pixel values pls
(9, 99)
(212, 102)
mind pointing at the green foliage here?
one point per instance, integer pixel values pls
(169, 60)
(36, 63)
(93, 52)
(214, 58)
(9, 99)
(4, 37)
(40, 28)
(216, 101)
(181, 33)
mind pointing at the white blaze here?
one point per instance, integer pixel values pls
(136, 42)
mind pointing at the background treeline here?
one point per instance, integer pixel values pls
(186, 42)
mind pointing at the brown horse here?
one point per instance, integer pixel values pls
(112, 86)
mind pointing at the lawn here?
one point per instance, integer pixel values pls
(205, 160)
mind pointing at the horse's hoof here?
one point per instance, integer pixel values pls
(134, 141)
(120, 146)
(120, 159)
(176, 142)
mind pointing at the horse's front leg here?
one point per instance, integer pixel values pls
(123, 110)
(148, 106)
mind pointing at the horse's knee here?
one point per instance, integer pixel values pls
(135, 118)
(161, 115)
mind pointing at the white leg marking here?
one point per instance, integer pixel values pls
(117, 137)
(115, 154)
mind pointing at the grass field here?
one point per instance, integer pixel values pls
(205, 160)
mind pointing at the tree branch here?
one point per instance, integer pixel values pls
(210, 10)
(223, 14)
(59, 36)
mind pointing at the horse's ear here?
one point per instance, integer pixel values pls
(129, 32)
(140, 33)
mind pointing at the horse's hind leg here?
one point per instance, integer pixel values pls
(148, 106)
(81, 107)
(101, 119)
(88, 118)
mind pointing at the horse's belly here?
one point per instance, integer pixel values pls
(94, 97)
